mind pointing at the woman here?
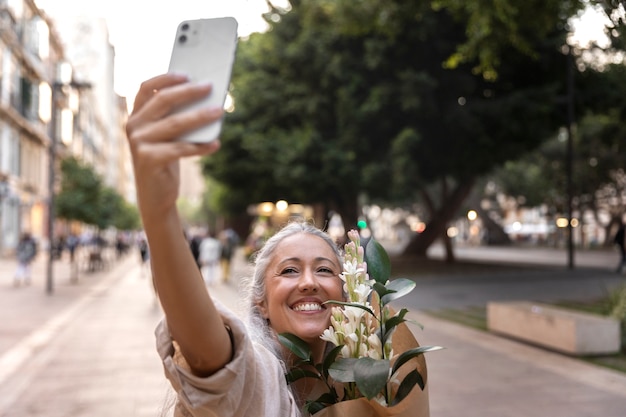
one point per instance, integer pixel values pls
(217, 365)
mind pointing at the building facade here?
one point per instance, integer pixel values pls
(30, 58)
(51, 108)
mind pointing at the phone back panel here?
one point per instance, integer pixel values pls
(204, 50)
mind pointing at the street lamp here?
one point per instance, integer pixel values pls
(570, 158)
(568, 99)
(56, 88)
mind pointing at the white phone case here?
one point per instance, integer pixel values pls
(204, 50)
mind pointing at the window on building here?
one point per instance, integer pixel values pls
(13, 84)
(13, 151)
(37, 37)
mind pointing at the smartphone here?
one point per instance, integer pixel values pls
(204, 50)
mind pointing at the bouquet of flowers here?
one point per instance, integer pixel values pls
(365, 363)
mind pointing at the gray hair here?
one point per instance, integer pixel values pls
(258, 325)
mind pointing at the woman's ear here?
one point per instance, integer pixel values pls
(262, 307)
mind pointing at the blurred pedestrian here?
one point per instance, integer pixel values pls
(229, 241)
(144, 253)
(25, 252)
(209, 258)
(72, 243)
(194, 245)
(619, 241)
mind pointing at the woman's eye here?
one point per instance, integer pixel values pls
(287, 271)
(325, 270)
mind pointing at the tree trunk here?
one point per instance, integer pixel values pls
(348, 211)
(447, 243)
(438, 224)
(495, 233)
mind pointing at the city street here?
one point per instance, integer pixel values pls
(88, 349)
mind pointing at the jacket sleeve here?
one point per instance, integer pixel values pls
(251, 384)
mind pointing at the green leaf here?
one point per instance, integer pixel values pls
(296, 374)
(342, 370)
(299, 347)
(410, 354)
(322, 401)
(371, 375)
(378, 264)
(400, 286)
(394, 321)
(412, 378)
(330, 359)
(313, 407)
(381, 290)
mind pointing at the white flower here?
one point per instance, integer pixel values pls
(329, 335)
(353, 314)
(375, 345)
(361, 293)
(351, 267)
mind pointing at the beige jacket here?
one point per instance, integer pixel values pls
(252, 385)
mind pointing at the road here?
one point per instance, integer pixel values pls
(516, 274)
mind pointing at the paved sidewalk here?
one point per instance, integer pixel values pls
(479, 374)
(27, 307)
(88, 350)
(94, 356)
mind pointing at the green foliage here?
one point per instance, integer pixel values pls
(344, 92)
(84, 198)
(495, 26)
(80, 192)
(127, 217)
(378, 264)
(598, 151)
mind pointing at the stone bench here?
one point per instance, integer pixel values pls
(567, 331)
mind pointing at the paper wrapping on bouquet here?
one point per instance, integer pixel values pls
(413, 405)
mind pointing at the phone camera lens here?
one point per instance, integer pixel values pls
(185, 26)
(182, 38)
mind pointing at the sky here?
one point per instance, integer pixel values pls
(142, 31)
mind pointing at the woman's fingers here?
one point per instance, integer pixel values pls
(155, 120)
(160, 154)
(171, 127)
(148, 88)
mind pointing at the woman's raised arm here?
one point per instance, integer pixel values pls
(152, 130)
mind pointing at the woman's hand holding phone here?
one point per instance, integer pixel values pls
(176, 113)
(153, 129)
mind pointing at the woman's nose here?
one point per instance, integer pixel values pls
(308, 282)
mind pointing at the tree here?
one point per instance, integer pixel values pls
(127, 217)
(495, 26)
(598, 180)
(114, 211)
(341, 98)
(84, 198)
(79, 196)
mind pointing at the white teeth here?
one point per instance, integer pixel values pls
(307, 307)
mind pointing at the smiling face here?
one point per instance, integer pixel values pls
(302, 274)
